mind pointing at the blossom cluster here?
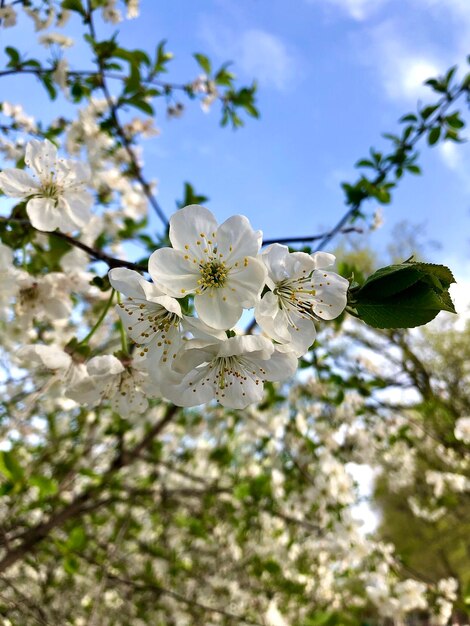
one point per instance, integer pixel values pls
(194, 360)
(216, 271)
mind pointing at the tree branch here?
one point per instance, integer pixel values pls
(84, 502)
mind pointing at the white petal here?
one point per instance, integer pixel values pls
(247, 281)
(195, 352)
(190, 391)
(78, 204)
(299, 264)
(187, 227)
(274, 258)
(331, 294)
(128, 282)
(271, 318)
(43, 214)
(172, 273)
(51, 357)
(106, 365)
(323, 259)
(303, 336)
(218, 308)
(257, 347)
(281, 365)
(41, 156)
(201, 330)
(17, 183)
(85, 392)
(237, 239)
(241, 393)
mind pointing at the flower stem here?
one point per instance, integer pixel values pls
(106, 308)
(122, 332)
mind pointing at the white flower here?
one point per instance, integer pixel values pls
(60, 76)
(39, 22)
(55, 360)
(273, 616)
(132, 9)
(56, 197)
(8, 279)
(216, 263)
(230, 370)
(16, 112)
(111, 13)
(51, 39)
(462, 429)
(44, 297)
(7, 16)
(151, 318)
(107, 378)
(301, 291)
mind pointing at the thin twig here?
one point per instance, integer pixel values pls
(137, 170)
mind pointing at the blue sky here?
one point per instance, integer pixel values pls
(333, 75)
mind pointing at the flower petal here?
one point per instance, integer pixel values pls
(323, 259)
(281, 365)
(237, 239)
(128, 282)
(187, 227)
(17, 183)
(247, 282)
(272, 319)
(51, 357)
(172, 273)
(106, 365)
(331, 294)
(274, 258)
(77, 204)
(197, 387)
(218, 308)
(238, 393)
(41, 156)
(43, 214)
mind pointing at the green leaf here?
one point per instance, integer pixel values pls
(74, 5)
(390, 280)
(10, 467)
(454, 121)
(428, 111)
(204, 62)
(440, 272)
(77, 539)
(414, 307)
(14, 55)
(404, 296)
(47, 486)
(434, 134)
(191, 197)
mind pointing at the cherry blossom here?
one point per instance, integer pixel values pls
(301, 292)
(152, 319)
(108, 379)
(216, 263)
(55, 194)
(55, 360)
(230, 370)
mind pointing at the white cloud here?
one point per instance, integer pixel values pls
(359, 10)
(266, 56)
(397, 40)
(457, 158)
(402, 64)
(451, 155)
(258, 53)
